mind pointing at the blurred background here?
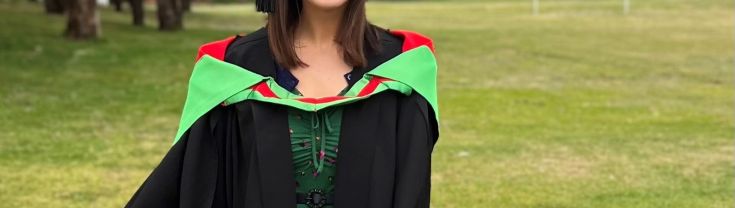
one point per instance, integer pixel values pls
(545, 103)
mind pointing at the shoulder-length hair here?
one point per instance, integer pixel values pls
(356, 35)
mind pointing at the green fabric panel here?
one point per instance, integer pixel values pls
(211, 82)
(416, 68)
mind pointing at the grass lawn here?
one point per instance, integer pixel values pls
(579, 106)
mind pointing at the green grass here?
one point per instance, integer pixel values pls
(579, 106)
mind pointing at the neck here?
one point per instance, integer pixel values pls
(318, 26)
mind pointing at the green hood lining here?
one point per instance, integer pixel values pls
(214, 82)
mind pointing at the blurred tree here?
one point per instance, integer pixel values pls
(186, 5)
(117, 4)
(137, 7)
(83, 19)
(54, 6)
(169, 15)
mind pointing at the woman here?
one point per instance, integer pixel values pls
(317, 109)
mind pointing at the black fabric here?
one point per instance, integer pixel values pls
(303, 198)
(239, 155)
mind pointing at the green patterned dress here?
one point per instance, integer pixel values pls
(314, 139)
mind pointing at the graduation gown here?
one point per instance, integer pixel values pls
(233, 148)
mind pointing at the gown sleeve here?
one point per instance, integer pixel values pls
(416, 135)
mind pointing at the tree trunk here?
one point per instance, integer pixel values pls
(83, 19)
(137, 7)
(186, 5)
(54, 6)
(169, 15)
(117, 4)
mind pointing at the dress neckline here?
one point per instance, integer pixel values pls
(288, 81)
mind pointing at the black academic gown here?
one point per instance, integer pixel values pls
(239, 155)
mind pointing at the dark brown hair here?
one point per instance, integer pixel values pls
(354, 35)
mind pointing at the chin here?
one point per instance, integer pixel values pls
(327, 4)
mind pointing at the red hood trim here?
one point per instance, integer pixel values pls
(215, 49)
(264, 90)
(413, 40)
(371, 85)
(321, 100)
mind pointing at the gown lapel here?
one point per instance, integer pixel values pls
(272, 140)
(274, 155)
